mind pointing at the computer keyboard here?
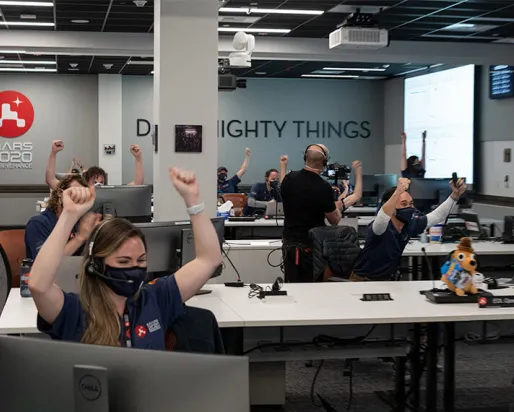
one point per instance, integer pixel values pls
(241, 219)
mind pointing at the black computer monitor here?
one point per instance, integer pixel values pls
(131, 202)
(374, 186)
(188, 241)
(430, 193)
(164, 244)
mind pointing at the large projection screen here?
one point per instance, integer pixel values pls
(442, 103)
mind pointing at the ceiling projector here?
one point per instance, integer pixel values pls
(245, 44)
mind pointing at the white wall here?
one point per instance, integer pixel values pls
(65, 108)
(110, 125)
(497, 134)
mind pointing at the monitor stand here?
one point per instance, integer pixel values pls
(203, 292)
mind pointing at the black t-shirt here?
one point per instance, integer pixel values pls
(306, 197)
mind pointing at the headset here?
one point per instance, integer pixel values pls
(325, 154)
(96, 266)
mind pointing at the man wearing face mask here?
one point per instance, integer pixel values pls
(395, 224)
(226, 185)
(263, 193)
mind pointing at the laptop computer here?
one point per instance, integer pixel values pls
(275, 209)
(67, 273)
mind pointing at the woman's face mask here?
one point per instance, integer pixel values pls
(222, 177)
(124, 281)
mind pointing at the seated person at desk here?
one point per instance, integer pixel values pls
(413, 167)
(266, 192)
(308, 199)
(390, 232)
(113, 307)
(39, 227)
(94, 175)
(226, 185)
(263, 193)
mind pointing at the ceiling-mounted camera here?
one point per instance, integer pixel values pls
(245, 44)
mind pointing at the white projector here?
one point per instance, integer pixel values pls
(359, 38)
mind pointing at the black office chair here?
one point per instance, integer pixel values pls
(5, 278)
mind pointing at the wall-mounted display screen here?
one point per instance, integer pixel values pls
(501, 82)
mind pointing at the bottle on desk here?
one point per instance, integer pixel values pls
(25, 268)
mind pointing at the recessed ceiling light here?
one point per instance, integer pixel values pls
(354, 69)
(261, 73)
(469, 27)
(80, 21)
(252, 30)
(26, 23)
(73, 69)
(73, 65)
(28, 16)
(226, 25)
(152, 72)
(250, 10)
(27, 3)
(26, 62)
(332, 76)
(141, 62)
(36, 69)
(12, 51)
(108, 66)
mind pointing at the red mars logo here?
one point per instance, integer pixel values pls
(16, 114)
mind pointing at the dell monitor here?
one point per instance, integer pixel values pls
(45, 375)
(131, 202)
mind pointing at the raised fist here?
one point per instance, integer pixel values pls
(135, 150)
(284, 159)
(186, 185)
(77, 201)
(248, 151)
(403, 185)
(57, 146)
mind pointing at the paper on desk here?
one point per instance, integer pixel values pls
(225, 207)
(259, 243)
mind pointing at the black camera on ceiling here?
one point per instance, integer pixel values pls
(337, 171)
(241, 83)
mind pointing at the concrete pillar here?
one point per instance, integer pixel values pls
(185, 93)
(110, 125)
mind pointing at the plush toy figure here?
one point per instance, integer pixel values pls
(460, 272)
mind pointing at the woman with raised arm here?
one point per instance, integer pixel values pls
(413, 167)
(113, 307)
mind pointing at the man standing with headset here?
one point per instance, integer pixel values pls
(308, 199)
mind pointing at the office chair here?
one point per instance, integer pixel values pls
(13, 244)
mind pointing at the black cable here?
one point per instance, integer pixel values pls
(230, 261)
(313, 385)
(269, 255)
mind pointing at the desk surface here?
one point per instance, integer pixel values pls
(20, 314)
(306, 305)
(340, 304)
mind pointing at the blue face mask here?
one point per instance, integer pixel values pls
(405, 214)
(124, 281)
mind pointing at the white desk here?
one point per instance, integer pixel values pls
(20, 314)
(443, 249)
(365, 210)
(363, 221)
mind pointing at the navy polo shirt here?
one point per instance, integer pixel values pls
(151, 315)
(261, 193)
(380, 257)
(229, 185)
(37, 231)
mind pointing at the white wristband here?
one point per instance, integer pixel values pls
(194, 210)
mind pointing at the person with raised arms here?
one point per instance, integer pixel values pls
(113, 307)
